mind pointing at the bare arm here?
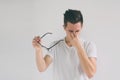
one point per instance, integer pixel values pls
(41, 62)
(87, 64)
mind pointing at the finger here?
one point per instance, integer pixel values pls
(35, 43)
(37, 38)
(76, 35)
(72, 35)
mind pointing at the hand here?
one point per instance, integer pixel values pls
(74, 39)
(36, 43)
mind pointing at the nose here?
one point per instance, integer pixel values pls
(73, 32)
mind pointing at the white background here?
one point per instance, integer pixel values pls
(21, 20)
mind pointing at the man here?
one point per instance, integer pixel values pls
(73, 58)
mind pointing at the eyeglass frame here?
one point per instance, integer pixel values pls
(48, 48)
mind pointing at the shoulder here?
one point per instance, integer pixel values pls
(55, 44)
(87, 43)
(90, 47)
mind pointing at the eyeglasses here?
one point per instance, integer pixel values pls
(48, 48)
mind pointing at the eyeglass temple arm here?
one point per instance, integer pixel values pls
(54, 45)
(45, 34)
(51, 46)
(44, 46)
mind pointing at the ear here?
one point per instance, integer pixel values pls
(64, 27)
(81, 25)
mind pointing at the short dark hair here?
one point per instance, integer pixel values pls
(72, 16)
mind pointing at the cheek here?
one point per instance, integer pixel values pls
(68, 34)
(78, 33)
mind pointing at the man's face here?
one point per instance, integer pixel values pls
(73, 29)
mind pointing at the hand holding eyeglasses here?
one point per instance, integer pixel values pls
(37, 42)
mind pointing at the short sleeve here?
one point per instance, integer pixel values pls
(91, 49)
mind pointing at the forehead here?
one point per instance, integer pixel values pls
(74, 26)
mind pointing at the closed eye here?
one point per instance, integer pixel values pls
(77, 31)
(70, 31)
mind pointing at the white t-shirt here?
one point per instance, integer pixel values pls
(66, 63)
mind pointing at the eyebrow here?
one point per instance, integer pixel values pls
(77, 30)
(73, 31)
(70, 30)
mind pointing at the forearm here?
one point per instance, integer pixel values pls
(85, 63)
(40, 62)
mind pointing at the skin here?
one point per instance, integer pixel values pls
(88, 64)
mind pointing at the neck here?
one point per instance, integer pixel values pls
(67, 41)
